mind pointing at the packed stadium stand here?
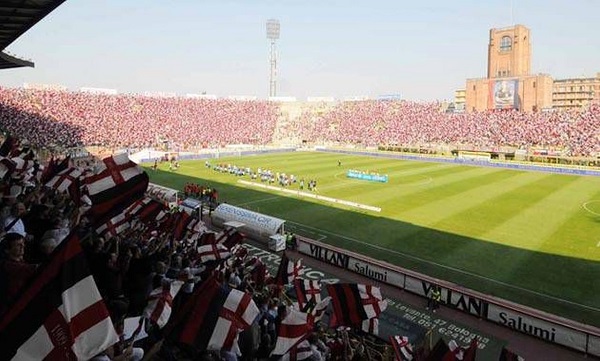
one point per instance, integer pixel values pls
(76, 119)
(83, 249)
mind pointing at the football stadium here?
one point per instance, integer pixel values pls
(164, 226)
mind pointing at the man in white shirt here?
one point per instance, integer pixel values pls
(14, 223)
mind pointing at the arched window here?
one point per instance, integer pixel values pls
(505, 43)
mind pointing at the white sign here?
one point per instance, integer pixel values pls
(548, 331)
(261, 222)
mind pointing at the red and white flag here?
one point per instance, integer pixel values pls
(214, 316)
(370, 326)
(116, 185)
(115, 226)
(160, 303)
(307, 290)
(353, 303)
(213, 252)
(63, 180)
(294, 329)
(60, 315)
(402, 348)
(301, 352)
(288, 270)
(196, 226)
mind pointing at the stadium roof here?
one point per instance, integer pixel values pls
(16, 17)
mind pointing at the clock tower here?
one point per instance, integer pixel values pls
(509, 52)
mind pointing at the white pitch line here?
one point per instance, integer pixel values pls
(598, 244)
(585, 206)
(448, 267)
(257, 201)
(312, 195)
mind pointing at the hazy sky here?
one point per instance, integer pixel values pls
(420, 49)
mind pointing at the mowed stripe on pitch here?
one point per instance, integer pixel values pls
(481, 190)
(532, 227)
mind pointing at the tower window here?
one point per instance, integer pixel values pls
(505, 43)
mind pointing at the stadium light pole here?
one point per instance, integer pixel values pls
(273, 34)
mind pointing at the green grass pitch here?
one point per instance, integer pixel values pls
(530, 237)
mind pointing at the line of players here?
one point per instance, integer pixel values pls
(265, 175)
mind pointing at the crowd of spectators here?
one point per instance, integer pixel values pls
(131, 268)
(68, 119)
(373, 123)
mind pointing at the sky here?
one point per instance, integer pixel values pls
(420, 50)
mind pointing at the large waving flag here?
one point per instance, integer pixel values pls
(115, 226)
(182, 220)
(301, 352)
(370, 326)
(307, 290)
(402, 348)
(213, 252)
(288, 270)
(231, 238)
(294, 328)
(353, 303)
(160, 303)
(118, 183)
(60, 315)
(214, 316)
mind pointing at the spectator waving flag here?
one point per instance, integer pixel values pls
(370, 326)
(353, 303)
(214, 316)
(63, 180)
(118, 183)
(196, 226)
(160, 303)
(301, 352)
(115, 226)
(307, 290)
(288, 270)
(294, 329)
(182, 220)
(53, 168)
(60, 315)
(402, 348)
(212, 252)
(7, 166)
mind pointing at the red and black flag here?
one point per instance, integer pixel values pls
(288, 270)
(118, 183)
(353, 303)
(307, 290)
(182, 220)
(60, 315)
(213, 317)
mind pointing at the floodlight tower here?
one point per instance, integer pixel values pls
(273, 35)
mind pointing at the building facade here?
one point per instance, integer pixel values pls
(510, 85)
(509, 52)
(460, 99)
(575, 93)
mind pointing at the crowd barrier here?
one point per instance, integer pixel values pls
(542, 325)
(562, 169)
(216, 154)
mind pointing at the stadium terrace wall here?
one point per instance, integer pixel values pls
(564, 169)
(542, 325)
(228, 153)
